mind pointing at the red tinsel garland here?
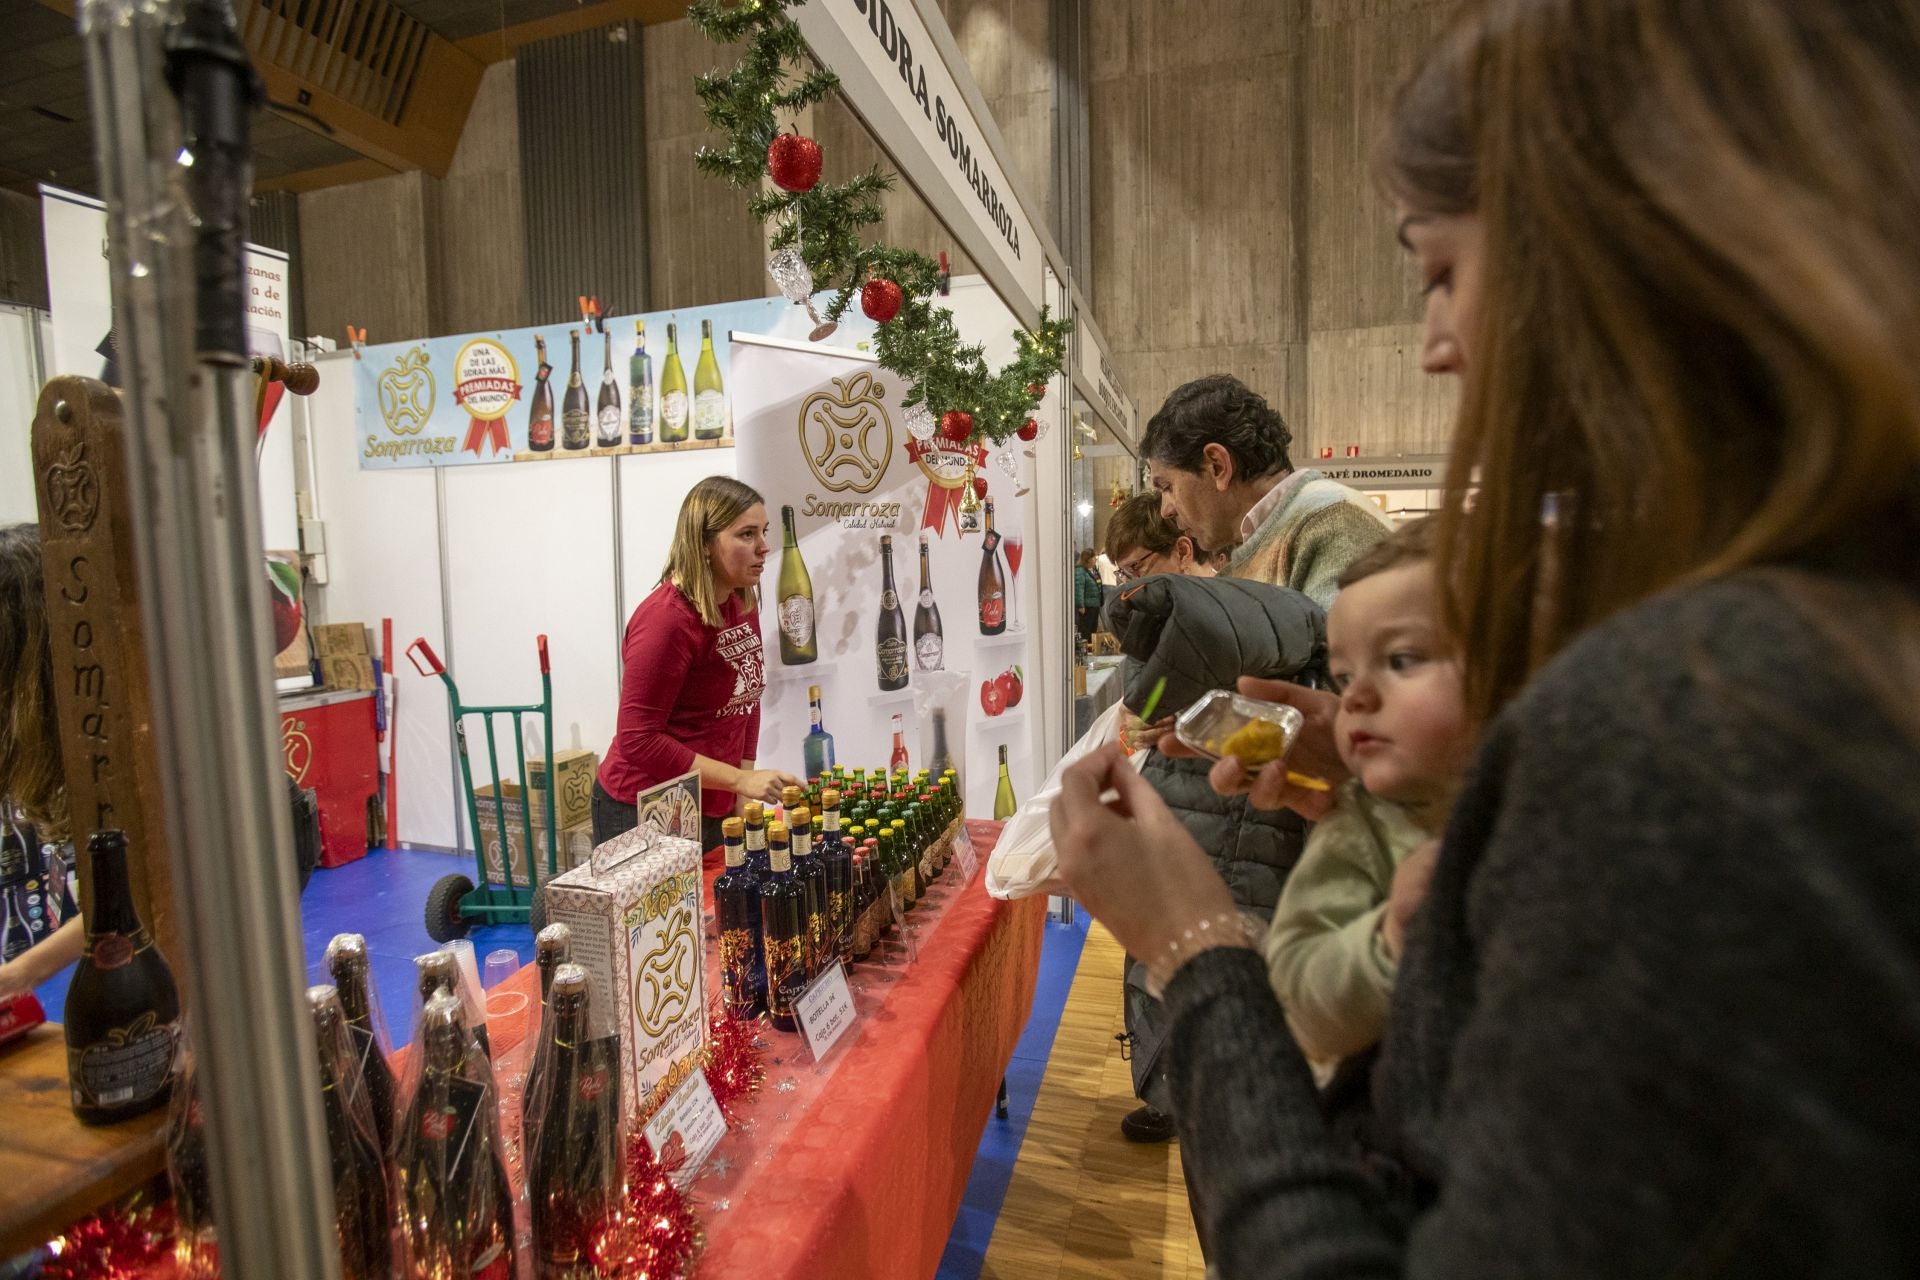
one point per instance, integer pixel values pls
(136, 1240)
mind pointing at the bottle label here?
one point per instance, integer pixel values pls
(893, 659)
(737, 955)
(112, 951)
(928, 651)
(125, 1065)
(610, 425)
(993, 610)
(641, 424)
(540, 433)
(575, 428)
(593, 1084)
(926, 599)
(783, 967)
(889, 600)
(673, 410)
(710, 414)
(796, 620)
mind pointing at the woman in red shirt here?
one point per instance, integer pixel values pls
(694, 670)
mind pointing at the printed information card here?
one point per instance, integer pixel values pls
(826, 1011)
(688, 1125)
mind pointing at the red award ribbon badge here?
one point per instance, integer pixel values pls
(945, 466)
(486, 382)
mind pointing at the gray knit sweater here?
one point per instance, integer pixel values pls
(1660, 1015)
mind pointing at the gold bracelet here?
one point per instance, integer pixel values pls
(1225, 929)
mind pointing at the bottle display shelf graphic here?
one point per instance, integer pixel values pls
(657, 383)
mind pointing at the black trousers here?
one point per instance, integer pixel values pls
(611, 818)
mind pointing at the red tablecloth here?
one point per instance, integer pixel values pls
(855, 1167)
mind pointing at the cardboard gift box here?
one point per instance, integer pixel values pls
(350, 672)
(572, 845)
(573, 771)
(340, 640)
(635, 910)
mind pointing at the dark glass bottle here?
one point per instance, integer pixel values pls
(348, 962)
(573, 1175)
(922, 823)
(16, 935)
(361, 1220)
(123, 1011)
(992, 582)
(455, 1204)
(890, 644)
(755, 817)
(540, 414)
(862, 903)
(812, 875)
(736, 908)
(552, 948)
(576, 414)
(836, 855)
(783, 930)
(928, 641)
(899, 871)
(606, 409)
(440, 971)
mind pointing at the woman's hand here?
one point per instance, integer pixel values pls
(1137, 735)
(764, 785)
(1411, 880)
(1131, 863)
(1314, 754)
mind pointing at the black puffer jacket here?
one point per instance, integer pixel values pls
(1201, 634)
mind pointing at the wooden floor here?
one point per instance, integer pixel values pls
(1085, 1202)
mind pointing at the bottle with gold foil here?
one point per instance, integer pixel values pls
(783, 930)
(754, 815)
(736, 908)
(812, 875)
(836, 855)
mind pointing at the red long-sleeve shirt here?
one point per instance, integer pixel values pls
(687, 689)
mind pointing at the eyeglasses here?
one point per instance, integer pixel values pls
(1135, 567)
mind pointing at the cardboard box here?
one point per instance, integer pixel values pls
(574, 769)
(635, 911)
(340, 640)
(347, 672)
(572, 845)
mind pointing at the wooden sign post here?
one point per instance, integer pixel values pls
(99, 659)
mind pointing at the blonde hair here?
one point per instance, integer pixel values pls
(32, 777)
(710, 507)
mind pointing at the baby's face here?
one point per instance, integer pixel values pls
(1402, 726)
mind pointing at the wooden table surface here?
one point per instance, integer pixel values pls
(53, 1169)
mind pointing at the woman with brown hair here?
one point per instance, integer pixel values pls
(1660, 1010)
(694, 669)
(32, 781)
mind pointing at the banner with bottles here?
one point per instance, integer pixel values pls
(638, 384)
(886, 581)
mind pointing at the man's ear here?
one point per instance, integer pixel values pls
(1184, 551)
(1218, 466)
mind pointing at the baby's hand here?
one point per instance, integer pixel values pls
(1410, 884)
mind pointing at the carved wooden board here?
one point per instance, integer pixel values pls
(99, 659)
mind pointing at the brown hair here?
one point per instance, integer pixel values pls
(31, 776)
(1703, 211)
(1411, 543)
(705, 512)
(1137, 524)
(1085, 558)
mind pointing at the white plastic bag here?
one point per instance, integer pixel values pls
(1023, 862)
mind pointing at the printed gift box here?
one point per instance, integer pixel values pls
(635, 911)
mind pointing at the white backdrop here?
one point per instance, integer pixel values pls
(531, 549)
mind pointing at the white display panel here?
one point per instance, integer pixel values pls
(20, 393)
(651, 490)
(382, 532)
(530, 551)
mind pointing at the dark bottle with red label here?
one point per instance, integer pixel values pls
(993, 582)
(574, 1166)
(362, 1223)
(123, 1011)
(350, 966)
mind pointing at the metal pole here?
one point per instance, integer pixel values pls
(172, 174)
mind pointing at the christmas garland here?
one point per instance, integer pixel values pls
(817, 234)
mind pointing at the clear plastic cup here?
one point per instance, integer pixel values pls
(501, 965)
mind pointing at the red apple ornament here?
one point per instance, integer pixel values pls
(979, 486)
(793, 162)
(992, 700)
(1029, 430)
(880, 299)
(956, 425)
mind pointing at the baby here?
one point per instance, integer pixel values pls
(1402, 730)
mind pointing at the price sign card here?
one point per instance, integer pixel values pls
(688, 1124)
(965, 856)
(826, 1010)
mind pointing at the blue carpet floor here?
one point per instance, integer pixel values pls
(383, 896)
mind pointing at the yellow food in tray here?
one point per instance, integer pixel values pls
(1255, 743)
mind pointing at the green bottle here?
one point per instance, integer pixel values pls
(1003, 802)
(709, 397)
(673, 392)
(798, 643)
